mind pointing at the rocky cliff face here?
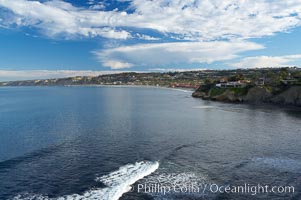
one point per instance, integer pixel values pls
(255, 95)
(228, 96)
(199, 94)
(291, 96)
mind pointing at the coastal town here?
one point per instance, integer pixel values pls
(260, 85)
(238, 78)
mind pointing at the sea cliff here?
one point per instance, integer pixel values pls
(254, 95)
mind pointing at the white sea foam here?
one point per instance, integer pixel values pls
(184, 178)
(193, 184)
(182, 90)
(117, 182)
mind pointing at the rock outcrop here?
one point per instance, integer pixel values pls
(257, 95)
(291, 96)
(254, 95)
(198, 94)
(228, 96)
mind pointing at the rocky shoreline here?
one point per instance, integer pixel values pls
(290, 96)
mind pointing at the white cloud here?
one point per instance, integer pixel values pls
(217, 30)
(189, 19)
(61, 18)
(6, 75)
(117, 64)
(266, 61)
(146, 37)
(160, 54)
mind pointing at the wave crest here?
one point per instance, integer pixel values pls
(117, 182)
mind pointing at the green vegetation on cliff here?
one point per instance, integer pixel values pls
(290, 95)
(280, 86)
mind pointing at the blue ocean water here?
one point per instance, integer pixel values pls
(94, 142)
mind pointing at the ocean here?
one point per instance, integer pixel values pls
(131, 143)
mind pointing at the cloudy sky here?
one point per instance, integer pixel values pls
(55, 38)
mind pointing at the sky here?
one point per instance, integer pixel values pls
(61, 38)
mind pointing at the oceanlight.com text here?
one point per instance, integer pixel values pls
(213, 188)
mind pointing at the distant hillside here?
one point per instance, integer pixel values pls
(278, 86)
(270, 85)
(192, 79)
(170, 79)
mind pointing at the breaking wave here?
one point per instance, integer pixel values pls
(117, 182)
(193, 184)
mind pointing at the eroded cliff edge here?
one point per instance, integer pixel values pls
(253, 95)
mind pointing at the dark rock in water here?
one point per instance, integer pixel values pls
(198, 94)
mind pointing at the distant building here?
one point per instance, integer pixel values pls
(223, 80)
(289, 82)
(182, 85)
(232, 84)
(260, 81)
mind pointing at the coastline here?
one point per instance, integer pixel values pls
(186, 90)
(117, 86)
(255, 96)
(262, 105)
